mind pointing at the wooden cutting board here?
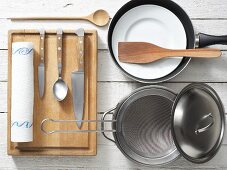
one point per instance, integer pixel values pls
(48, 107)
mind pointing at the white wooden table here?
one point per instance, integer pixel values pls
(208, 16)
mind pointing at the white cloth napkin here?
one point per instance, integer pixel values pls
(22, 99)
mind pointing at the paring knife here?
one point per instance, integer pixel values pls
(41, 67)
(78, 80)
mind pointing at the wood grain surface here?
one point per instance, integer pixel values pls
(208, 16)
(142, 52)
(48, 106)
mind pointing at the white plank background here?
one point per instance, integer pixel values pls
(208, 16)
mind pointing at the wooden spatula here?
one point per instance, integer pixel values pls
(141, 52)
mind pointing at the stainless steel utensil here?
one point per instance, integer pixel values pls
(41, 67)
(139, 122)
(154, 126)
(60, 88)
(78, 81)
(49, 132)
(198, 122)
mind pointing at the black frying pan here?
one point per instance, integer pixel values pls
(200, 40)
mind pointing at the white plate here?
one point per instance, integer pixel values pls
(154, 24)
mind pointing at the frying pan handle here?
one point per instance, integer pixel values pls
(203, 129)
(102, 123)
(206, 40)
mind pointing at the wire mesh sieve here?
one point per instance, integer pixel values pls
(141, 126)
(144, 127)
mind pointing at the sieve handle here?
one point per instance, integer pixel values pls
(48, 132)
(103, 126)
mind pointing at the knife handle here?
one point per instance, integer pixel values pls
(81, 52)
(42, 44)
(59, 51)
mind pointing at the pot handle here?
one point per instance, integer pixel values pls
(203, 129)
(206, 40)
(102, 123)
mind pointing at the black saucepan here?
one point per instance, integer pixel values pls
(200, 40)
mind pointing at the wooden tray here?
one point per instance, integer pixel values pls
(48, 107)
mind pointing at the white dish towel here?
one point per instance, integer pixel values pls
(22, 94)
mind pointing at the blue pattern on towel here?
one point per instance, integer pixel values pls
(25, 124)
(22, 51)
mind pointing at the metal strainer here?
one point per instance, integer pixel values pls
(143, 126)
(148, 124)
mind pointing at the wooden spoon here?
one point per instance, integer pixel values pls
(141, 52)
(99, 18)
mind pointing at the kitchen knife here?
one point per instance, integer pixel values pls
(78, 80)
(41, 67)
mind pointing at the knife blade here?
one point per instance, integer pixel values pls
(41, 67)
(77, 78)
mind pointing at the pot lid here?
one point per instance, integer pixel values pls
(198, 122)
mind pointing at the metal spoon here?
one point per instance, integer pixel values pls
(60, 88)
(99, 18)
